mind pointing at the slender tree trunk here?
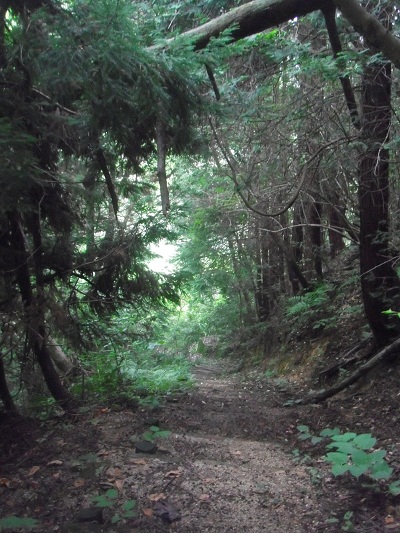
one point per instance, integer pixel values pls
(291, 261)
(316, 237)
(379, 282)
(336, 215)
(239, 277)
(5, 394)
(35, 322)
(90, 185)
(161, 139)
(262, 289)
(296, 246)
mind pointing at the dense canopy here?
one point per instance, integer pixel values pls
(260, 137)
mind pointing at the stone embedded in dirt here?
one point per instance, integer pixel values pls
(92, 514)
(171, 399)
(152, 422)
(166, 512)
(145, 446)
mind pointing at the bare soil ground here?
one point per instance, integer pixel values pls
(227, 466)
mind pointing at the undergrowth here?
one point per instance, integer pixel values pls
(134, 375)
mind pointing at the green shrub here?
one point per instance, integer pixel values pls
(312, 308)
(353, 454)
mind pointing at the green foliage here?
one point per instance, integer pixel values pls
(348, 521)
(155, 433)
(109, 499)
(307, 308)
(390, 312)
(353, 454)
(15, 522)
(315, 439)
(128, 366)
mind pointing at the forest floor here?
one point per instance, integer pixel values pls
(229, 464)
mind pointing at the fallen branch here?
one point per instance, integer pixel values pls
(348, 359)
(361, 371)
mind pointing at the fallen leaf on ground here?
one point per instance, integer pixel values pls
(148, 512)
(80, 482)
(173, 473)
(157, 497)
(4, 482)
(119, 484)
(56, 462)
(103, 452)
(138, 462)
(389, 519)
(113, 472)
(33, 470)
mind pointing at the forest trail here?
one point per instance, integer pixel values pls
(222, 469)
(227, 466)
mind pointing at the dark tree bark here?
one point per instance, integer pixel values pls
(330, 20)
(34, 313)
(379, 282)
(237, 270)
(252, 18)
(335, 218)
(297, 242)
(5, 394)
(316, 237)
(262, 290)
(373, 30)
(261, 15)
(161, 140)
(292, 264)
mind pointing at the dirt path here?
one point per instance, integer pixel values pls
(227, 466)
(230, 477)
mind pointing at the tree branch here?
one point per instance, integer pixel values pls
(375, 34)
(253, 17)
(363, 369)
(334, 39)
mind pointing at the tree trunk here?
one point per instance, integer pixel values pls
(297, 242)
(262, 291)
(291, 261)
(58, 356)
(379, 282)
(251, 18)
(34, 313)
(336, 241)
(5, 394)
(260, 15)
(374, 32)
(236, 266)
(316, 237)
